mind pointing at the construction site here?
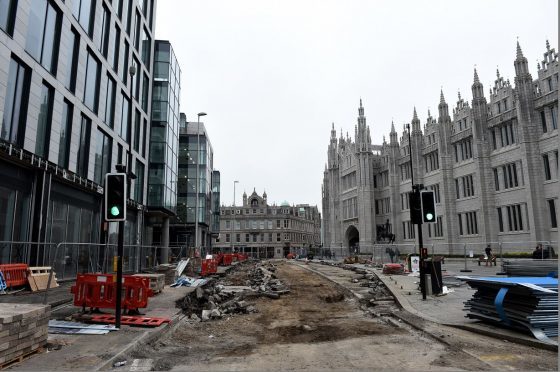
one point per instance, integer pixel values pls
(231, 312)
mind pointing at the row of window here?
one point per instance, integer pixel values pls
(349, 181)
(350, 208)
(504, 135)
(431, 161)
(383, 206)
(546, 162)
(408, 230)
(553, 111)
(463, 150)
(255, 238)
(466, 185)
(382, 180)
(406, 171)
(514, 215)
(467, 223)
(509, 177)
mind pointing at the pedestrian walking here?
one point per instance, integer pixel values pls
(489, 255)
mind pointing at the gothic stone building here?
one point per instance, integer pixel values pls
(493, 165)
(267, 230)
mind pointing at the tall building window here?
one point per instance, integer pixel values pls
(129, 16)
(8, 15)
(509, 172)
(105, 29)
(137, 28)
(496, 180)
(146, 47)
(102, 159)
(543, 121)
(515, 220)
(145, 93)
(546, 163)
(83, 150)
(124, 131)
(137, 120)
(116, 41)
(136, 80)
(91, 91)
(119, 7)
(65, 134)
(552, 210)
(44, 121)
(124, 71)
(500, 219)
(43, 34)
(72, 62)
(110, 101)
(15, 104)
(553, 114)
(139, 182)
(145, 137)
(84, 12)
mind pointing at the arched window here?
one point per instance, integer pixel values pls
(254, 202)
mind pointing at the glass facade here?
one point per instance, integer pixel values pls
(15, 104)
(164, 137)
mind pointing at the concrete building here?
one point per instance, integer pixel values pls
(164, 146)
(195, 155)
(267, 230)
(493, 165)
(70, 112)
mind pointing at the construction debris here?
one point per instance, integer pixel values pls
(186, 281)
(212, 300)
(393, 269)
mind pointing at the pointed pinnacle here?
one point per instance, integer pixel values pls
(519, 52)
(497, 72)
(441, 98)
(476, 79)
(459, 94)
(392, 126)
(360, 101)
(547, 45)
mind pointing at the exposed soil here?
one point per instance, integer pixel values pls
(316, 326)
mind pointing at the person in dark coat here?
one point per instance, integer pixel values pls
(489, 255)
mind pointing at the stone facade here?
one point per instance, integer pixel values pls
(268, 230)
(493, 166)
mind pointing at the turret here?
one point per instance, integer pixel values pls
(244, 199)
(443, 109)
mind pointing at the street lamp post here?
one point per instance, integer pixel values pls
(233, 218)
(197, 179)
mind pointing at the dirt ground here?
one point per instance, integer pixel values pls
(318, 326)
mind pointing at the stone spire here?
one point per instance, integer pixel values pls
(520, 63)
(393, 135)
(442, 107)
(477, 88)
(415, 122)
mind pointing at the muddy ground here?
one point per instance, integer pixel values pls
(319, 325)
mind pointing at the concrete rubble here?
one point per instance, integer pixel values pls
(213, 299)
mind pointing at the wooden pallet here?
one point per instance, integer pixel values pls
(21, 358)
(39, 277)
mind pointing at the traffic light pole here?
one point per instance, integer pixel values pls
(119, 274)
(416, 191)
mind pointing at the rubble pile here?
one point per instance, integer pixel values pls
(213, 300)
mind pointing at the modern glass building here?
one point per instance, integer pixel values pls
(195, 147)
(70, 111)
(164, 142)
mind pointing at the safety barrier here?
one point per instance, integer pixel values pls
(99, 291)
(208, 266)
(14, 274)
(228, 259)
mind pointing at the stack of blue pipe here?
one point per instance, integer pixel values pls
(525, 303)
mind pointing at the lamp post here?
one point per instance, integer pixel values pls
(233, 218)
(197, 179)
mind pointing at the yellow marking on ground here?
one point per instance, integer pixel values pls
(500, 357)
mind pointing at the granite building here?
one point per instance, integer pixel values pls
(267, 230)
(492, 164)
(71, 108)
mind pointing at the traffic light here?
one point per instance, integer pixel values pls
(415, 208)
(115, 197)
(428, 206)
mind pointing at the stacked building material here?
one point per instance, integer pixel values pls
(531, 267)
(23, 330)
(157, 281)
(525, 303)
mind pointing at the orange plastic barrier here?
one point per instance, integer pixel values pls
(227, 260)
(208, 266)
(14, 274)
(242, 257)
(100, 291)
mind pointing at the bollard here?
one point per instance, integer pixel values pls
(465, 270)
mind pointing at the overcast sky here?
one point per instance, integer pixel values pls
(273, 75)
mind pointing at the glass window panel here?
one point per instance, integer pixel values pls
(51, 38)
(124, 132)
(102, 156)
(116, 41)
(7, 15)
(124, 71)
(15, 104)
(65, 134)
(43, 122)
(110, 102)
(137, 119)
(91, 91)
(83, 150)
(146, 48)
(72, 61)
(33, 43)
(105, 27)
(145, 92)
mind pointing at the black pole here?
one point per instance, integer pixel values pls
(416, 191)
(119, 274)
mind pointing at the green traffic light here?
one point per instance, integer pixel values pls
(429, 216)
(115, 211)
